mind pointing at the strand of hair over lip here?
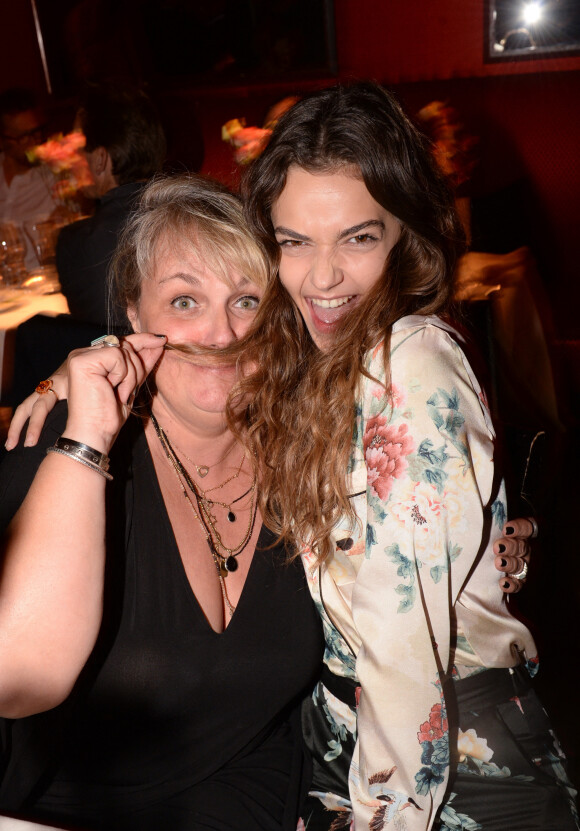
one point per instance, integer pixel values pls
(212, 356)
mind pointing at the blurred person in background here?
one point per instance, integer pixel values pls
(125, 146)
(26, 191)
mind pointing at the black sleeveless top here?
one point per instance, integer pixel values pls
(172, 724)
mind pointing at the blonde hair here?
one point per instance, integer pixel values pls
(194, 214)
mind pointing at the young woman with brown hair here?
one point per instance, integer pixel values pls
(378, 460)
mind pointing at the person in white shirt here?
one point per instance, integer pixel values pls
(26, 192)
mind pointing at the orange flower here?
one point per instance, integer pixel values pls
(247, 141)
(60, 152)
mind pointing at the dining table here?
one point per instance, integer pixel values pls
(12, 824)
(16, 306)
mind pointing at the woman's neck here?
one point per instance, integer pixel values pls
(203, 438)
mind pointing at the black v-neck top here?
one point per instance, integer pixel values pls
(172, 724)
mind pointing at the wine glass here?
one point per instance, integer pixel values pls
(43, 234)
(12, 250)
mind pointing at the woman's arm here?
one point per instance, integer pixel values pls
(35, 408)
(431, 507)
(51, 585)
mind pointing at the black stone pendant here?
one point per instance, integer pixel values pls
(231, 516)
(231, 564)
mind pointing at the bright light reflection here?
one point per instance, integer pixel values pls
(532, 13)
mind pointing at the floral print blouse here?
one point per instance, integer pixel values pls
(411, 594)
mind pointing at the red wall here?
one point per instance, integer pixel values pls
(20, 63)
(415, 40)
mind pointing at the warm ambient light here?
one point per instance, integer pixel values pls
(532, 13)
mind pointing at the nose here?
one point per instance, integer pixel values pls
(326, 272)
(219, 331)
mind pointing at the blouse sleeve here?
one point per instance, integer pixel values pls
(431, 501)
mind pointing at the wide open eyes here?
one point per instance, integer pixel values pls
(184, 302)
(248, 302)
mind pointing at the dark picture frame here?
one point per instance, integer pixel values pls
(530, 29)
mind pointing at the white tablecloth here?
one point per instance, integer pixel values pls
(9, 824)
(16, 307)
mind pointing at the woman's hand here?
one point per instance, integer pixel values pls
(103, 382)
(36, 407)
(512, 553)
(123, 372)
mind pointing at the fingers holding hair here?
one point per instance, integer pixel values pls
(143, 351)
(36, 407)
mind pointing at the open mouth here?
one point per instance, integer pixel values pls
(327, 313)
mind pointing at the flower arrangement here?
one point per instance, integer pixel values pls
(247, 141)
(61, 154)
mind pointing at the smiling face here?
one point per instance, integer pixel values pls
(189, 303)
(334, 241)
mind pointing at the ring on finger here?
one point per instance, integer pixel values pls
(45, 386)
(534, 524)
(521, 575)
(106, 340)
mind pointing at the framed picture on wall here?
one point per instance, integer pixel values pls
(525, 29)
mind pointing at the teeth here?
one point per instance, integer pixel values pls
(332, 304)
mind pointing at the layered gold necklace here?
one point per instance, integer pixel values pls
(224, 557)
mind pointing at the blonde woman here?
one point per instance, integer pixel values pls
(154, 647)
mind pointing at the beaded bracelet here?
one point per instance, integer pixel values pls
(82, 453)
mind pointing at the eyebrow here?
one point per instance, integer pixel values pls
(181, 275)
(348, 232)
(195, 281)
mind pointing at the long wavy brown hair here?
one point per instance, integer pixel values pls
(298, 407)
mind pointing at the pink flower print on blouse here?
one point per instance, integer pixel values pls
(386, 448)
(398, 396)
(436, 727)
